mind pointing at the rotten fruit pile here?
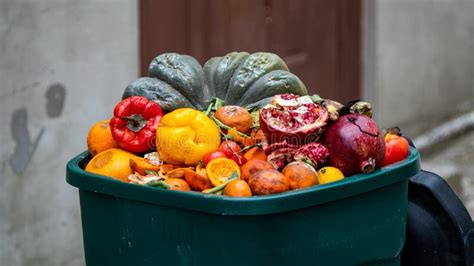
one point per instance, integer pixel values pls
(242, 125)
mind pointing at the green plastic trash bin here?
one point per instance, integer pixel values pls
(356, 221)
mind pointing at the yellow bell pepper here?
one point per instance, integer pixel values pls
(185, 135)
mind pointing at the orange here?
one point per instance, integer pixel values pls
(253, 166)
(221, 169)
(255, 153)
(235, 116)
(113, 162)
(177, 184)
(100, 138)
(237, 188)
(270, 181)
(301, 175)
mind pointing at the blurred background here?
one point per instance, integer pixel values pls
(65, 64)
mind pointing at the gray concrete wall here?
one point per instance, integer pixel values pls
(419, 61)
(63, 66)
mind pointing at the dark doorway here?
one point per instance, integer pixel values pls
(320, 40)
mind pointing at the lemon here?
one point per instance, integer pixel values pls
(329, 174)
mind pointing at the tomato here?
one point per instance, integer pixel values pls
(229, 148)
(239, 159)
(233, 151)
(396, 149)
(213, 155)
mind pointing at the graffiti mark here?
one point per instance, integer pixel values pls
(55, 96)
(24, 145)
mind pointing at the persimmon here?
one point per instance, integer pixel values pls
(245, 141)
(268, 181)
(258, 136)
(255, 153)
(198, 179)
(253, 166)
(300, 174)
(139, 164)
(237, 188)
(235, 116)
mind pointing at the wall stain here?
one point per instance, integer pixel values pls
(24, 145)
(55, 96)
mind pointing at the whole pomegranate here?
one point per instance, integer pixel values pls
(293, 118)
(355, 144)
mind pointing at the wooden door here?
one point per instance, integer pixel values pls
(319, 39)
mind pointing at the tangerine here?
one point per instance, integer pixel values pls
(100, 138)
(237, 188)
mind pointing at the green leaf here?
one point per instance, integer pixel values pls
(316, 98)
(255, 118)
(149, 172)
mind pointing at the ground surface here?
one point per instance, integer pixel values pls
(454, 160)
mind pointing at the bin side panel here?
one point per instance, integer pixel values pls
(367, 229)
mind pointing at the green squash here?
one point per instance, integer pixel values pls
(239, 78)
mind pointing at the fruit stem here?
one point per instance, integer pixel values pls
(224, 126)
(368, 165)
(221, 187)
(209, 108)
(159, 184)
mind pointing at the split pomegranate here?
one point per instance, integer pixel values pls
(292, 118)
(281, 153)
(355, 144)
(312, 152)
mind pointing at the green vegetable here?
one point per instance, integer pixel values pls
(158, 184)
(240, 78)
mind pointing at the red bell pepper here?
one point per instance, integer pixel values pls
(134, 124)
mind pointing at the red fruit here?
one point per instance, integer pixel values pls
(233, 151)
(313, 152)
(281, 153)
(213, 155)
(355, 144)
(296, 119)
(396, 149)
(229, 147)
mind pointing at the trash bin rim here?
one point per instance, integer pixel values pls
(256, 205)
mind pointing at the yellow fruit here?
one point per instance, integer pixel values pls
(113, 162)
(221, 169)
(185, 135)
(329, 174)
(100, 138)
